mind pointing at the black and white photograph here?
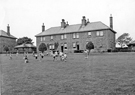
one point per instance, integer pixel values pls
(67, 47)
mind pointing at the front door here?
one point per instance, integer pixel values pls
(77, 46)
(62, 48)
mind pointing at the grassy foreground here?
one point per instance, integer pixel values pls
(101, 74)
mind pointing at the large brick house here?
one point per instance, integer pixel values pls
(74, 37)
(7, 40)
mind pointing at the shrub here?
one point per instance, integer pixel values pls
(89, 46)
(42, 47)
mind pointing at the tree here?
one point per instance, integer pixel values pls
(56, 44)
(25, 40)
(6, 48)
(42, 47)
(124, 39)
(89, 46)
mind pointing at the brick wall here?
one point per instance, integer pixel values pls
(5, 41)
(100, 42)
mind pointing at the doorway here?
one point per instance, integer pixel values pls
(62, 48)
(77, 46)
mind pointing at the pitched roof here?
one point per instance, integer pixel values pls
(25, 46)
(75, 28)
(3, 33)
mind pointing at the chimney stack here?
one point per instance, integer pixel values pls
(84, 21)
(111, 21)
(43, 27)
(63, 24)
(8, 30)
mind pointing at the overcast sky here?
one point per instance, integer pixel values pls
(25, 17)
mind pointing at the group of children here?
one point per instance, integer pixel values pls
(63, 56)
(55, 54)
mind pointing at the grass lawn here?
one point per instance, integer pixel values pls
(100, 74)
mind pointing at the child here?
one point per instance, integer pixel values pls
(25, 59)
(61, 54)
(64, 57)
(36, 56)
(86, 54)
(42, 55)
(10, 56)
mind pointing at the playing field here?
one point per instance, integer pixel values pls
(100, 74)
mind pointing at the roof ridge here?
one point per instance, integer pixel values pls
(74, 24)
(97, 25)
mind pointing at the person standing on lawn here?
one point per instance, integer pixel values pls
(86, 53)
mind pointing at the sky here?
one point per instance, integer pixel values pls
(26, 17)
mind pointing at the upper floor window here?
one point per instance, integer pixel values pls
(89, 33)
(65, 36)
(75, 35)
(62, 37)
(51, 37)
(44, 38)
(41, 39)
(99, 33)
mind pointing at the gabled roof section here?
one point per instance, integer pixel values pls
(75, 28)
(4, 34)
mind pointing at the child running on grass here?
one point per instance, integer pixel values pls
(36, 56)
(10, 56)
(86, 53)
(26, 59)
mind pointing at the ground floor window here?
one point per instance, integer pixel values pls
(65, 45)
(74, 45)
(51, 46)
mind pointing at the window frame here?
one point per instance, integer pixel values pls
(62, 37)
(41, 38)
(65, 36)
(65, 46)
(51, 37)
(100, 33)
(89, 33)
(74, 36)
(77, 35)
(74, 44)
(44, 38)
